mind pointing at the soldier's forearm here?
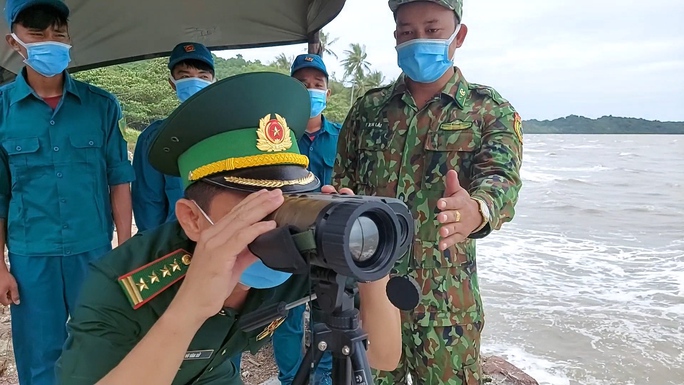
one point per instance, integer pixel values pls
(382, 321)
(122, 211)
(146, 363)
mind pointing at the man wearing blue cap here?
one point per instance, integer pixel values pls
(64, 183)
(191, 67)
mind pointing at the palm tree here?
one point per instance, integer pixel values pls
(325, 42)
(373, 80)
(282, 62)
(355, 65)
(367, 81)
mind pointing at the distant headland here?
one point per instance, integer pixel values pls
(574, 124)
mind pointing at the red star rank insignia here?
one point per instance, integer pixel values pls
(273, 134)
(146, 282)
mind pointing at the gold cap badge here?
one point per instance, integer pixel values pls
(273, 134)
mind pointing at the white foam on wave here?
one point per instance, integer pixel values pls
(542, 370)
(595, 168)
(535, 176)
(618, 306)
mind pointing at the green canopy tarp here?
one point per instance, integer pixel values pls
(106, 32)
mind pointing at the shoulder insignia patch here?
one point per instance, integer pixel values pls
(517, 126)
(146, 282)
(122, 125)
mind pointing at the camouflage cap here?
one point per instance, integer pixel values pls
(454, 5)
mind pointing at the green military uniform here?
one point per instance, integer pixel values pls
(239, 133)
(388, 147)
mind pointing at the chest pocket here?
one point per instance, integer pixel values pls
(444, 150)
(22, 152)
(373, 165)
(449, 150)
(85, 149)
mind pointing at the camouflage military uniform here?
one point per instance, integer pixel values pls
(390, 148)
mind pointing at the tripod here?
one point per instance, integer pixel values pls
(340, 334)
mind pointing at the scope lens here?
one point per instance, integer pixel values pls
(364, 239)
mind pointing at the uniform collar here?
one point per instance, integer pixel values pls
(455, 89)
(22, 89)
(327, 126)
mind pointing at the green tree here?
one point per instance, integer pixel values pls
(326, 43)
(282, 62)
(145, 94)
(355, 66)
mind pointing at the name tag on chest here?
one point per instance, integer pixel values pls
(198, 354)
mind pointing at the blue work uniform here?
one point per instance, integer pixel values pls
(154, 194)
(321, 150)
(56, 169)
(288, 337)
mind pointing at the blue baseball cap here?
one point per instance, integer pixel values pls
(14, 7)
(190, 51)
(308, 61)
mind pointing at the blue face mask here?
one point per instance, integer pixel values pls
(425, 60)
(318, 101)
(257, 275)
(185, 88)
(48, 58)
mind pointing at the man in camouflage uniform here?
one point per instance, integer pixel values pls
(452, 151)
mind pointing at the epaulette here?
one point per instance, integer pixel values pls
(146, 282)
(489, 92)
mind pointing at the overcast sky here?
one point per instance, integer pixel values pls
(550, 58)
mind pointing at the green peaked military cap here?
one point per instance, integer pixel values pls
(454, 5)
(240, 133)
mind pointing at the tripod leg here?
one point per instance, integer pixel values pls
(341, 370)
(309, 363)
(360, 366)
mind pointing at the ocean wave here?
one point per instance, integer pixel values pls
(594, 168)
(618, 305)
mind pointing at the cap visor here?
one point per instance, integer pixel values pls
(288, 178)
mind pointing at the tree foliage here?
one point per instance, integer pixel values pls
(146, 95)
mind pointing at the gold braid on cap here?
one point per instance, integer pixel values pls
(270, 183)
(231, 164)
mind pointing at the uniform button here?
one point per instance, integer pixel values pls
(59, 175)
(68, 252)
(310, 148)
(63, 200)
(18, 148)
(91, 143)
(52, 122)
(56, 148)
(65, 226)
